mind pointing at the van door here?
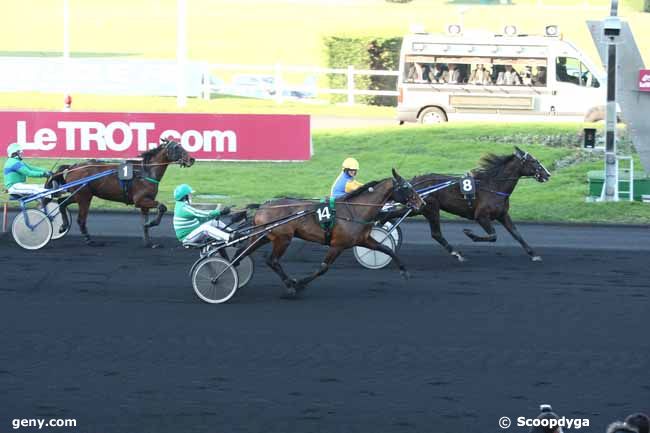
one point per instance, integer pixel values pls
(575, 88)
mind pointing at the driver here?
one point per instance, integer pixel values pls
(194, 225)
(346, 183)
(16, 171)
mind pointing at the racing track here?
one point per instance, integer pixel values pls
(115, 337)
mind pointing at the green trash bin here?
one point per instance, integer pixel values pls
(596, 179)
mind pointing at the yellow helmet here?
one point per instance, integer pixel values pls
(350, 164)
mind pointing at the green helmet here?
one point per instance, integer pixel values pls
(13, 148)
(181, 191)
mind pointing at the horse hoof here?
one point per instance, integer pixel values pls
(152, 246)
(467, 231)
(459, 256)
(536, 258)
(405, 274)
(290, 293)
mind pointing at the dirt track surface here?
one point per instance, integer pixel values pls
(115, 337)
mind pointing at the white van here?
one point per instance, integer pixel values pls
(486, 76)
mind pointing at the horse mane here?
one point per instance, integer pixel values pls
(491, 165)
(151, 153)
(363, 188)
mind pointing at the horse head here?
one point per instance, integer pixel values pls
(530, 166)
(403, 192)
(174, 152)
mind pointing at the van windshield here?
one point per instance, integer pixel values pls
(474, 70)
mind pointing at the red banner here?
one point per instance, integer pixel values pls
(242, 137)
(644, 80)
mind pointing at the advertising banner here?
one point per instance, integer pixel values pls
(81, 135)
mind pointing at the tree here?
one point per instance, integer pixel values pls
(647, 6)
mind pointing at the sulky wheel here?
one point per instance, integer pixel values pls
(372, 259)
(245, 267)
(53, 211)
(215, 280)
(31, 229)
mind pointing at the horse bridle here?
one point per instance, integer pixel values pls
(402, 190)
(539, 169)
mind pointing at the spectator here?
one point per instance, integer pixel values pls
(415, 73)
(480, 76)
(639, 421)
(527, 76)
(509, 77)
(434, 74)
(451, 76)
(539, 79)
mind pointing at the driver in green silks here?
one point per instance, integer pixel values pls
(194, 225)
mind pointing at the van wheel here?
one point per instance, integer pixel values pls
(432, 115)
(596, 114)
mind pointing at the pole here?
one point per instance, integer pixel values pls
(66, 56)
(181, 52)
(610, 187)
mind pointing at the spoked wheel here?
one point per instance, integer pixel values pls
(31, 229)
(396, 233)
(372, 259)
(54, 213)
(215, 280)
(245, 267)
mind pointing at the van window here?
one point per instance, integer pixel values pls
(572, 70)
(482, 71)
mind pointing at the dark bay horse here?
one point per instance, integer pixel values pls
(355, 215)
(496, 179)
(141, 191)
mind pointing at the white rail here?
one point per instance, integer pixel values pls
(278, 70)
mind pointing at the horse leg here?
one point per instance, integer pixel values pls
(506, 221)
(372, 244)
(63, 206)
(280, 245)
(433, 216)
(146, 205)
(330, 257)
(161, 211)
(487, 226)
(144, 212)
(84, 206)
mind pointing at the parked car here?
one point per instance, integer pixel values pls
(264, 87)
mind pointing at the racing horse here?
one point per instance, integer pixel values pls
(496, 179)
(141, 191)
(355, 215)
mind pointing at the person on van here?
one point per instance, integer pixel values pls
(452, 75)
(415, 73)
(434, 74)
(480, 76)
(539, 79)
(509, 77)
(527, 76)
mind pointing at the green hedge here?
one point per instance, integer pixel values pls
(363, 53)
(647, 6)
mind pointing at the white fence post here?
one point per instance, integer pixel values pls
(207, 87)
(278, 83)
(350, 85)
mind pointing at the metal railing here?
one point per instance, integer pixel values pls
(279, 70)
